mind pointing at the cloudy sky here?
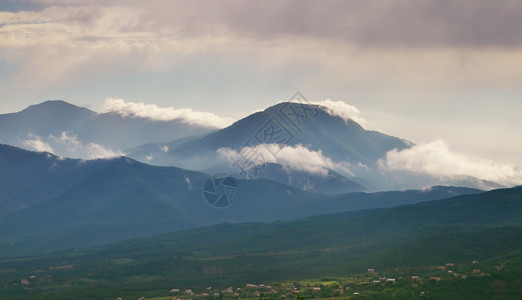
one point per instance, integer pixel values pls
(435, 72)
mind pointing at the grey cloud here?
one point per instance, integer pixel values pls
(409, 23)
(473, 23)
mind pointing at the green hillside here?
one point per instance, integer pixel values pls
(412, 240)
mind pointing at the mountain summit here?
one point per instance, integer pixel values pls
(71, 131)
(286, 124)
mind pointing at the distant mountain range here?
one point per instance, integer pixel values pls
(50, 203)
(73, 131)
(348, 153)
(353, 150)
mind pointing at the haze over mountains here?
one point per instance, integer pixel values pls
(311, 144)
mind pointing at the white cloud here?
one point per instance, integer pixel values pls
(70, 142)
(98, 151)
(436, 159)
(188, 182)
(35, 143)
(68, 145)
(343, 110)
(297, 157)
(153, 112)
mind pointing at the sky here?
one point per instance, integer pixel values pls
(443, 74)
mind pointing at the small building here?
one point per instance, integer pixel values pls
(189, 292)
(477, 271)
(415, 277)
(475, 262)
(316, 289)
(371, 271)
(174, 291)
(25, 282)
(450, 264)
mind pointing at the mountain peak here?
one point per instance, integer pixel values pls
(57, 106)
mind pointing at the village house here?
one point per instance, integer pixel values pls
(189, 292)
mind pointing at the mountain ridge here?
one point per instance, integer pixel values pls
(123, 198)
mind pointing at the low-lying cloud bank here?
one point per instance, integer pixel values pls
(67, 145)
(437, 159)
(35, 143)
(343, 110)
(296, 157)
(154, 112)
